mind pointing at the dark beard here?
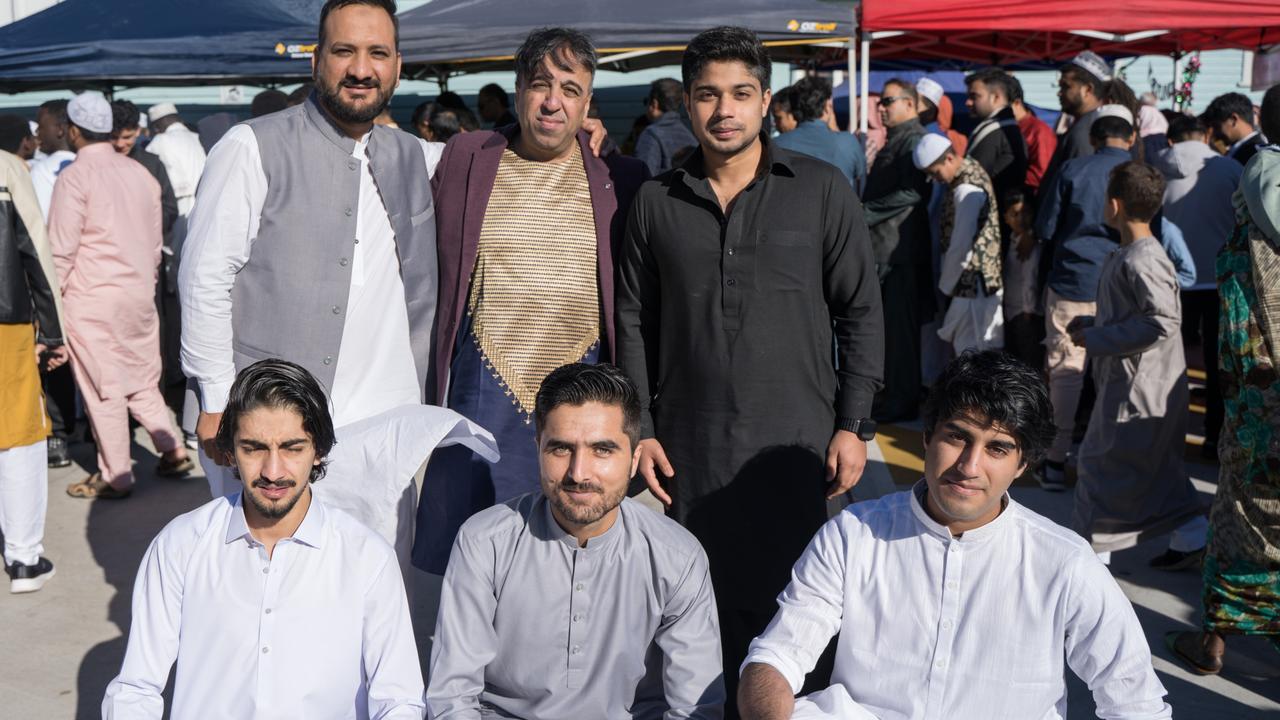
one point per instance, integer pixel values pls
(585, 514)
(274, 512)
(331, 99)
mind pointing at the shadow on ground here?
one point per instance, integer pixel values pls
(118, 533)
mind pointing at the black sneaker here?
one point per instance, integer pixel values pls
(1174, 560)
(29, 578)
(59, 453)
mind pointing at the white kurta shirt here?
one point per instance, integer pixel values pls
(376, 370)
(935, 626)
(44, 173)
(184, 159)
(320, 629)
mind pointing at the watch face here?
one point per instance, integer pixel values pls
(866, 429)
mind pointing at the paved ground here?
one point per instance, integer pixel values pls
(61, 646)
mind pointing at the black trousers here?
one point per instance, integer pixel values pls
(1024, 339)
(60, 400)
(1200, 323)
(900, 297)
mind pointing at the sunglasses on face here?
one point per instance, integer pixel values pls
(887, 101)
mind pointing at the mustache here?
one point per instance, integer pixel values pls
(263, 484)
(573, 486)
(371, 83)
(723, 125)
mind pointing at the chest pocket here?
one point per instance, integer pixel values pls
(788, 261)
(787, 238)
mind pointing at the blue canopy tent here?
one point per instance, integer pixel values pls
(91, 43)
(448, 37)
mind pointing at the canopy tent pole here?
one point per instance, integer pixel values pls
(866, 83)
(1177, 81)
(853, 71)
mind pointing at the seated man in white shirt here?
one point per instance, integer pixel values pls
(272, 604)
(952, 600)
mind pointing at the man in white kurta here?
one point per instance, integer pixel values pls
(272, 604)
(969, 233)
(181, 152)
(951, 600)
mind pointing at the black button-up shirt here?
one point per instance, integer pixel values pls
(726, 322)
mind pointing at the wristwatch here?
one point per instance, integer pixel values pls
(864, 428)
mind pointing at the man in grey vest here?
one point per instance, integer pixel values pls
(313, 238)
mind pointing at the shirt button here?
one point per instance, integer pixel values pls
(577, 618)
(731, 282)
(343, 262)
(577, 649)
(268, 611)
(328, 359)
(353, 165)
(266, 570)
(951, 585)
(266, 650)
(731, 251)
(348, 212)
(946, 624)
(336, 310)
(580, 587)
(941, 664)
(954, 548)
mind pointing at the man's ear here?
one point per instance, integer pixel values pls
(768, 98)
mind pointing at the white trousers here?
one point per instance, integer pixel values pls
(24, 500)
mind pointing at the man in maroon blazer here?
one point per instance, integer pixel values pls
(527, 222)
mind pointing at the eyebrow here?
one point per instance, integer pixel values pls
(959, 430)
(605, 444)
(259, 445)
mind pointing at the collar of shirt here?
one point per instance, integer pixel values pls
(670, 117)
(693, 172)
(595, 544)
(308, 533)
(983, 534)
(1242, 141)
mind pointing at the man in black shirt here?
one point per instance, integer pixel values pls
(737, 270)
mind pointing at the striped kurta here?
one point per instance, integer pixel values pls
(534, 300)
(534, 305)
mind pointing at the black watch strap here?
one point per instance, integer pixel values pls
(864, 428)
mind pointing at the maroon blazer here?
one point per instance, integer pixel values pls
(463, 180)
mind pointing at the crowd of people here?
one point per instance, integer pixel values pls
(720, 315)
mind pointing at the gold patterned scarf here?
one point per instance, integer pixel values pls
(534, 301)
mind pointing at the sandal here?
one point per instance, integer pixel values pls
(175, 468)
(94, 487)
(1189, 648)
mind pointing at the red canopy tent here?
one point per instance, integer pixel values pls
(1007, 32)
(1019, 32)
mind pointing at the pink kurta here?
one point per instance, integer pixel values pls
(104, 226)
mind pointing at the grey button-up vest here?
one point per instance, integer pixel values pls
(290, 300)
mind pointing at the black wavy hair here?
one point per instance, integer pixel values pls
(995, 388)
(726, 44)
(580, 383)
(275, 383)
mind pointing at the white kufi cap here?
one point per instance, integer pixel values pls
(1115, 111)
(930, 88)
(931, 148)
(1093, 64)
(159, 110)
(90, 111)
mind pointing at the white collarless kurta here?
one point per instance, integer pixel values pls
(975, 627)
